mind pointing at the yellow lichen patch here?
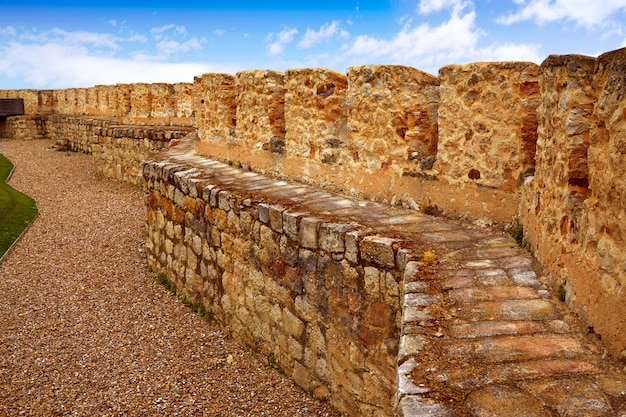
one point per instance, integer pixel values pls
(429, 257)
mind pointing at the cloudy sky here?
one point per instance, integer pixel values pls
(66, 44)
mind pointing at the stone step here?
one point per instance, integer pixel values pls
(518, 348)
(506, 373)
(498, 328)
(470, 295)
(532, 309)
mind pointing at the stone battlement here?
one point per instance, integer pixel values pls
(491, 143)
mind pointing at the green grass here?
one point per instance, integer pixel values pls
(17, 210)
(195, 307)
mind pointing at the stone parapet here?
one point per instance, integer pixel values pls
(486, 142)
(216, 109)
(23, 127)
(260, 110)
(118, 150)
(315, 114)
(380, 311)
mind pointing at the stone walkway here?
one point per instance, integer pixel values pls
(483, 334)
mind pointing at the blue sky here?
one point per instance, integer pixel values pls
(65, 44)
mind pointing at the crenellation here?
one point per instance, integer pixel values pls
(315, 115)
(261, 110)
(392, 117)
(217, 116)
(140, 104)
(162, 104)
(486, 117)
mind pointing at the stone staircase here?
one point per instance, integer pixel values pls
(484, 336)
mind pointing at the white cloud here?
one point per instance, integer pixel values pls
(98, 40)
(178, 29)
(423, 44)
(55, 65)
(61, 59)
(136, 38)
(9, 30)
(430, 6)
(429, 47)
(327, 32)
(509, 52)
(282, 39)
(168, 48)
(113, 22)
(582, 12)
(219, 32)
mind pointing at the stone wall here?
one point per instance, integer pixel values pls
(318, 297)
(23, 127)
(573, 209)
(260, 111)
(392, 118)
(117, 150)
(216, 111)
(31, 99)
(487, 142)
(488, 124)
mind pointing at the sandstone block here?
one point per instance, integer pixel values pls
(300, 374)
(276, 218)
(507, 401)
(307, 234)
(264, 213)
(292, 324)
(516, 348)
(379, 250)
(331, 237)
(351, 242)
(291, 221)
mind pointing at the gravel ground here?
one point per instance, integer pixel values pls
(86, 330)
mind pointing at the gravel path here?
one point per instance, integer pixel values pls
(86, 330)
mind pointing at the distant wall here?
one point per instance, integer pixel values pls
(157, 104)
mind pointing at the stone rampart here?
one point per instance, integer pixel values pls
(156, 104)
(486, 142)
(118, 150)
(373, 133)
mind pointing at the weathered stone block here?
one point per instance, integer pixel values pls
(331, 237)
(307, 234)
(379, 250)
(276, 218)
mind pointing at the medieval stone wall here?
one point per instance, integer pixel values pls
(486, 141)
(31, 99)
(156, 104)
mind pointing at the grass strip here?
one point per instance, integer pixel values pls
(17, 210)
